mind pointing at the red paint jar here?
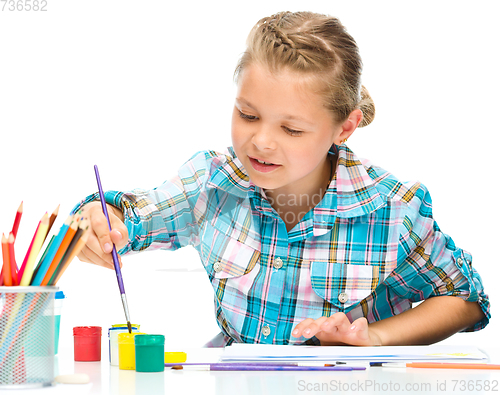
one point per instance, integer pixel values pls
(87, 343)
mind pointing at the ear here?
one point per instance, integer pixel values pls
(349, 126)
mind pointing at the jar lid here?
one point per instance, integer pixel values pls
(124, 326)
(120, 329)
(127, 338)
(59, 295)
(87, 331)
(150, 340)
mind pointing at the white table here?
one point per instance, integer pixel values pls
(106, 379)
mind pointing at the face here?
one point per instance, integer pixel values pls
(281, 131)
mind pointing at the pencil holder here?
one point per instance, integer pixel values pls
(26, 337)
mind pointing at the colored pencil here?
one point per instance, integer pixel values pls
(52, 251)
(1, 276)
(76, 250)
(116, 262)
(442, 365)
(44, 254)
(12, 257)
(61, 251)
(83, 225)
(6, 262)
(35, 249)
(52, 219)
(17, 220)
(23, 265)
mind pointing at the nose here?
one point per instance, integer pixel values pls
(264, 138)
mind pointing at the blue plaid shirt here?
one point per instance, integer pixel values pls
(369, 248)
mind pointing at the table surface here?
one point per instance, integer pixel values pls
(106, 379)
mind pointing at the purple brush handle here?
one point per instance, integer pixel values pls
(113, 252)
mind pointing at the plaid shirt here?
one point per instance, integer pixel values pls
(369, 248)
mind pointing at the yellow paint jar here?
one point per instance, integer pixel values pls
(126, 350)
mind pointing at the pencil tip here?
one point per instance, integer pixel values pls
(177, 367)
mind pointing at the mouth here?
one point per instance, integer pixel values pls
(262, 166)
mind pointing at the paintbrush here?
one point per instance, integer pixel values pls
(116, 262)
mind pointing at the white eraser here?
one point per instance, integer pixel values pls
(77, 378)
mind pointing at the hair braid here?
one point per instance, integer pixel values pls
(316, 44)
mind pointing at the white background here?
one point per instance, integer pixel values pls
(138, 87)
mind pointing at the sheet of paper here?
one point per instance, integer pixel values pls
(263, 352)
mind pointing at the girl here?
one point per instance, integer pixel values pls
(302, 241)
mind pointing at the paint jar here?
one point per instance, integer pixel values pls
(87, 343)
(126, 350)
(113, 333)
(58, 301)
(150, 353)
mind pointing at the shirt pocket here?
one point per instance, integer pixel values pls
(225, 256)
(343, 285)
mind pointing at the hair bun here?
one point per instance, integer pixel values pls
(367, 106)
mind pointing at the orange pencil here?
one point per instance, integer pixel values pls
(12, 258)
(78, 247)
(61, 251)
(17, 220)
(7, 276)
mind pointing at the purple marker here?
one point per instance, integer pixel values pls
(113, 252)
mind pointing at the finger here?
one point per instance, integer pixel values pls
(337, 322)
(297, 332)
(119, 236)
(360, 328)
(314, 327)
(92, 257)
(100, 227)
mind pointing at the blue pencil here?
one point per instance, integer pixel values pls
(51, 253)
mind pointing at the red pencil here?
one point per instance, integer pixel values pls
(21, 270)
(17, 220)
(12, 258)
(6, 262)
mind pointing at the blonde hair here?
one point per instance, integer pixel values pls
(318, 45)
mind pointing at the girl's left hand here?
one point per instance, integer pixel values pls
(338, 330)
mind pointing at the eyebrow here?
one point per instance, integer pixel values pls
(285, 116)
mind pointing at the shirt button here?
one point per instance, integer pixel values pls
(217, 266)
(343, 297)
(278, 263)
(460, 261)
(266, 330)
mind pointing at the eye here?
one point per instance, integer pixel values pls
(292, 132)
(247, 117)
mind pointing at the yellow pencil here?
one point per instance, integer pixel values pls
(37, 245)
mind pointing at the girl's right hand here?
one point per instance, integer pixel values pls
(100, 242)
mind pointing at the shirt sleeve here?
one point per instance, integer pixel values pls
(430, 264)
(166, 217)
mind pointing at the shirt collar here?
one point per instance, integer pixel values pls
(351, 193)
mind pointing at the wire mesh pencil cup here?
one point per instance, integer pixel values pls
(26, 336)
